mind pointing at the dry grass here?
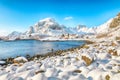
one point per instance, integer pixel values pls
(40, 71)
(118, 71)
(118, 14)
(89, 42)
(113, 44)
(117, 38)
(77, 59)
(101, 36)
(77, 71)
(113, 52)
(85, 46)
(87, 60)
(9, 60)
(17, 64)
(21, 61)
(115, 22)
(107, 77)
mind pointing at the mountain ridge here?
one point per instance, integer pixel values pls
(111, 29)
(49, 27)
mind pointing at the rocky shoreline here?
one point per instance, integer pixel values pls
(9, 60)
(81, 63)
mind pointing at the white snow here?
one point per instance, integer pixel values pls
(69, 65)
(63, 67)
(104, 27)
(49, 27)
(2, 62)
(20, 59)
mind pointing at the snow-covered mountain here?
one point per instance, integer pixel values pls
(110, 25)
(84, 29)
(49, 27)
(110, 29)
(104, 28)
(14, 35)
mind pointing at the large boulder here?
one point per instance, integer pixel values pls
(20, 60)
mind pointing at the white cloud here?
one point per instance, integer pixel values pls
(68, 18)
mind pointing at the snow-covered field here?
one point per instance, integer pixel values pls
(97, 61)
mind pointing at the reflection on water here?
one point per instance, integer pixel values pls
(23, 47)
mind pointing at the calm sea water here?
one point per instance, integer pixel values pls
(32, 47)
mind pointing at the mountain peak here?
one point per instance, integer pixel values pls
(47, 20)
(81, 26)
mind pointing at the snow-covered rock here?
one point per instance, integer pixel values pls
(39, 77)
(2, 62)
(116, 77)
(20, 59)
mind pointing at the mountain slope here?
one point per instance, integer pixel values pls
(14, 35)
(110, 29)
(49, 27)
(104, 28)
(83, 29)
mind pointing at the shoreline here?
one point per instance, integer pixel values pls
(48, 54)
(48, 40)
(56, 52)
(82, 63)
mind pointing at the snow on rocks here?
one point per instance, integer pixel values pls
(116, 77)
(2, 62)
(63, 75)
(5, 76)
(118, 51)
(98, 74)
(88, 58)
(84, 70)
(91, 62)
(39, 77)
(102, 56)
(78, 77)
(17, 78)
(51, 72)
(11, 68)
(20, 60)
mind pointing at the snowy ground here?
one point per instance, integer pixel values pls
(98, 61)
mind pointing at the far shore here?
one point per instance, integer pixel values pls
(50, 40)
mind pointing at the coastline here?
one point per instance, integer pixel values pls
(75, 63)
(49, 40)
(51, 53)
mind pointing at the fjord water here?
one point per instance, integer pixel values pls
(32, 47)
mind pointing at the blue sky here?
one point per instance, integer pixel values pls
(20, 14)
